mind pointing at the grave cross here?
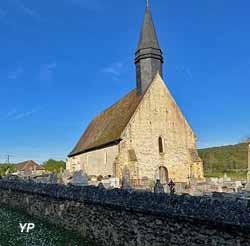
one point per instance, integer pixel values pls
(171, 185)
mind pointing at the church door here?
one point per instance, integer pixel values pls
(163, 174)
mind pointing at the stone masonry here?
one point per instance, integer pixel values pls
(159, 116)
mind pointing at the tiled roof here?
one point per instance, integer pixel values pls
(107, 127)
(27, 165)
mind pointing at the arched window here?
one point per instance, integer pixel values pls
(160, 143)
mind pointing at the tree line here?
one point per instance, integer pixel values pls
(231, 158)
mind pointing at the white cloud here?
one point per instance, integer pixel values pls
(26, 114)
(30, 12)
(115, 70)
(26, 10)
(17, 115)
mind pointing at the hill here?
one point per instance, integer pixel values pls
(231, 159)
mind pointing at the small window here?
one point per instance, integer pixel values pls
(160, 141)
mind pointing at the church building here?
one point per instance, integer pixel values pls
(145, 133)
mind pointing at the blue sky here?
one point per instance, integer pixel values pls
(63, 61)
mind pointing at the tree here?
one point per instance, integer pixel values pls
(54, 165)
(6, 166)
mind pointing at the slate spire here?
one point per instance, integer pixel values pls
(148, 57)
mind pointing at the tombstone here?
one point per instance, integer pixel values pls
(114, 182)
(158, 188)
(65, 176)
(79, 178)
(105, 183)
(101, 186)
(126, 178)
(7, 171)
(226, 178)
(27, 172)
(193, 181)
(247, 187)
(53, 178)
(60, 176)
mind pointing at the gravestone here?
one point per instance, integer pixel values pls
(101, 186)
(7, 171)
(53, 178)
(79, 178)
(114, 182)
(27, 172)
(193, 181)
(158, 188)
(126, 178)
(65, 177)
(226, 178)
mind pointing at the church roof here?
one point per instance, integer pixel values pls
(106, 128)
(148, 38)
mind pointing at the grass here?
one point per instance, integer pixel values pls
(43, 234)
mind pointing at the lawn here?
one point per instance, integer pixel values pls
(43, 234)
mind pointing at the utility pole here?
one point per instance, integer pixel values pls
(8, 158)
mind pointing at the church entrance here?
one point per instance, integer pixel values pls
(163, 175)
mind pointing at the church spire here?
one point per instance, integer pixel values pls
(148, 57)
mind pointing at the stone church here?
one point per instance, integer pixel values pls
(144, 133)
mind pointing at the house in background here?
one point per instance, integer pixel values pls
(29, 168)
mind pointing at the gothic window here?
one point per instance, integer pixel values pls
(160, 142)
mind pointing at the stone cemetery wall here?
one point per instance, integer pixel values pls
(122, 217)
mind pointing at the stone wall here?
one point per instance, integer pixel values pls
(121, 217)
(97, 162)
